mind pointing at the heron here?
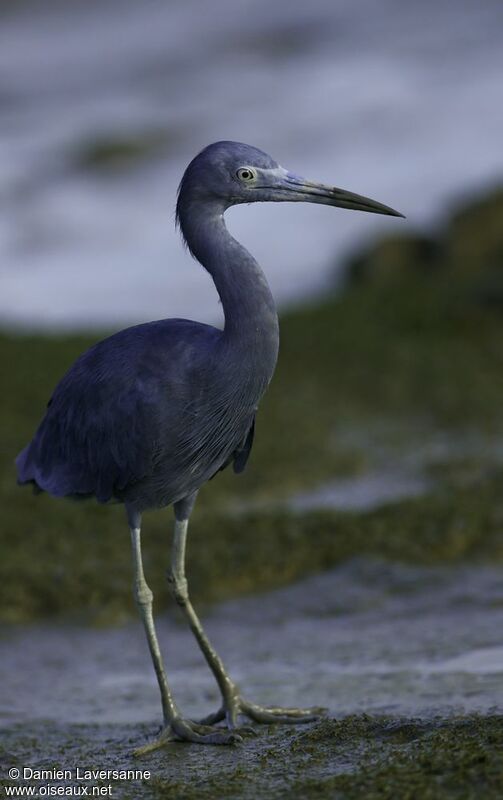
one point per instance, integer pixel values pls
(148, 415)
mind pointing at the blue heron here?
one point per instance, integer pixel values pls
(148, 415)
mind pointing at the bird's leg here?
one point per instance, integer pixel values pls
(179, 590)
(232, 703)
(174, 727)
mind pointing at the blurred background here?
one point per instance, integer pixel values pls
(378, 463)
(401, 101)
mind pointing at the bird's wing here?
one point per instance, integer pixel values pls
(110, 416)
(242, 453)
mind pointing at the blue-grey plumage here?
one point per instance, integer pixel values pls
(143, 417)
(150, 414)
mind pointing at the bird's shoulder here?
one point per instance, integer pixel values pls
(146, 356)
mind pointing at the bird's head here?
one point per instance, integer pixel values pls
(230, 173)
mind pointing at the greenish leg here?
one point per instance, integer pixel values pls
(232, 703)
(174, 727)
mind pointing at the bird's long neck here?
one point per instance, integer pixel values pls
(251, 320)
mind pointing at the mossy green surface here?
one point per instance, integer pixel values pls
(371, 757)
(88, 569)
(417, 345)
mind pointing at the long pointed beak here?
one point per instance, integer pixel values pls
(292, 187)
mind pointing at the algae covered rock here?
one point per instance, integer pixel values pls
(474, 249)
(394, 258)
(464, 257)
(473, 237)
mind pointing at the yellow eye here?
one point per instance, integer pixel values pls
(246, 174)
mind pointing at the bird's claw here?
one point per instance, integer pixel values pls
(183, 730)
(236, 706)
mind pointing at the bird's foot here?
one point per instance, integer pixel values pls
(184, 730)
(235, 706)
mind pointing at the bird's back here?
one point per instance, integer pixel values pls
(142, 417)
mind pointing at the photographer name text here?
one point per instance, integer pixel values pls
(81, 774)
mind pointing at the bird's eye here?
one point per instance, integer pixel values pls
(245, 174)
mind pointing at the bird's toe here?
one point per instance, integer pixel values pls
(183, 730)
(188, 731)
(277, 714)
(212, 719)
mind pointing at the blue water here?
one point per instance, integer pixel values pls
(399, 101)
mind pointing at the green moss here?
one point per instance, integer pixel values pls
(453, 759)
(356, 758)
(65, 567)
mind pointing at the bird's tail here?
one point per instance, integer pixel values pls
(25, 469)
